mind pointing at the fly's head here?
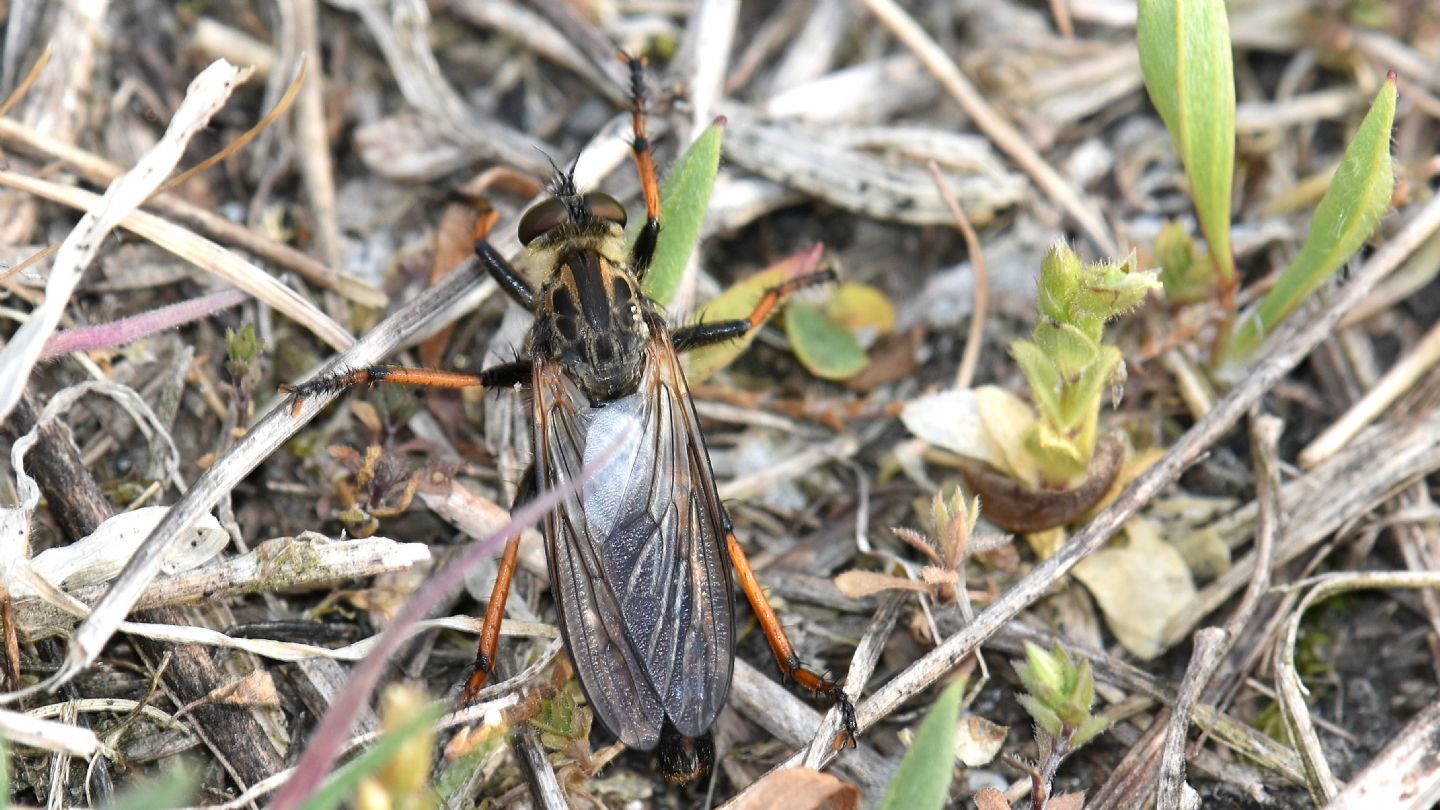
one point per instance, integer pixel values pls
(592, 315)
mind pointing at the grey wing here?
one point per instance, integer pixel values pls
(638, 560)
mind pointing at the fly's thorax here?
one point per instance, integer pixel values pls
(591, 320)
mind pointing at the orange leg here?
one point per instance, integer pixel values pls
(707, 334)
(490, 630)
(785, 658)
(644, 158)
(644, 249)
(497, 376)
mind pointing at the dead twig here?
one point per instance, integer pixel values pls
(970, 358)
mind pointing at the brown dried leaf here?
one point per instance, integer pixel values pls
(1067, 801)
(799, 789)
(991, 799)
(255, 689)
(1016, 508)
(860, 584)
(917, 540)
(978, 741)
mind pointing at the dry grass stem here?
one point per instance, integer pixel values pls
(26, 728)
(1210, 646)
(1403, 775)
(262, 440)
(1318, 777)
(1397, 381)
(207, 94)
(976, 338)
(1002, 133)
(200, 251)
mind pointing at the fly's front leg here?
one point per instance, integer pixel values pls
(790, 667)
(708, 334)
(644, 249)
(505, 374)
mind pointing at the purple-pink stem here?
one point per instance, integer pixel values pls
(115, 333)
(325, 745)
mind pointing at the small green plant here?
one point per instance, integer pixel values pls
(1059, 695)
(243, 351)
(1185, 57)
(1042, 467)
(1066, 363)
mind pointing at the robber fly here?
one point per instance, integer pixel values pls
(640, 557)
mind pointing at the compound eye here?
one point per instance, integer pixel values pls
(606, 207)
(540, 219)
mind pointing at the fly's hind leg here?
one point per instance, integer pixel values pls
(790, 667)
(495, 610)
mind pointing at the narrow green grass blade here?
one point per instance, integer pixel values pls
(1185, 56)
(342, 784)
(1345, 218)
(685, 196)
(923, 779)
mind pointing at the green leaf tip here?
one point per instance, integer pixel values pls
(685, 197)
(1345, 218)
(922, 781)
(1185, 56)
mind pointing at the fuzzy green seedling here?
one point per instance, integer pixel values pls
(1068, 366)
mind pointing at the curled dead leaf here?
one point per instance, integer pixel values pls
(991, 799)
(860, 584)
(1013, 507)
(799, 789)
(1067, 801)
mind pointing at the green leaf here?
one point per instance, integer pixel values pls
(1089, 729)
(1345, 218)
(1046, 386)
(737, 303)
(1185, 56)
(4, 775)
(923, 779)
(823, 346)
(685, 196)
(1069, 349)
(1060, 277)
(1082, 396)
(1111, 289)
(1045, 718)
(342, 784)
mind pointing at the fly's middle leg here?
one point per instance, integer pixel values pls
(790, 667)
(708, 334)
